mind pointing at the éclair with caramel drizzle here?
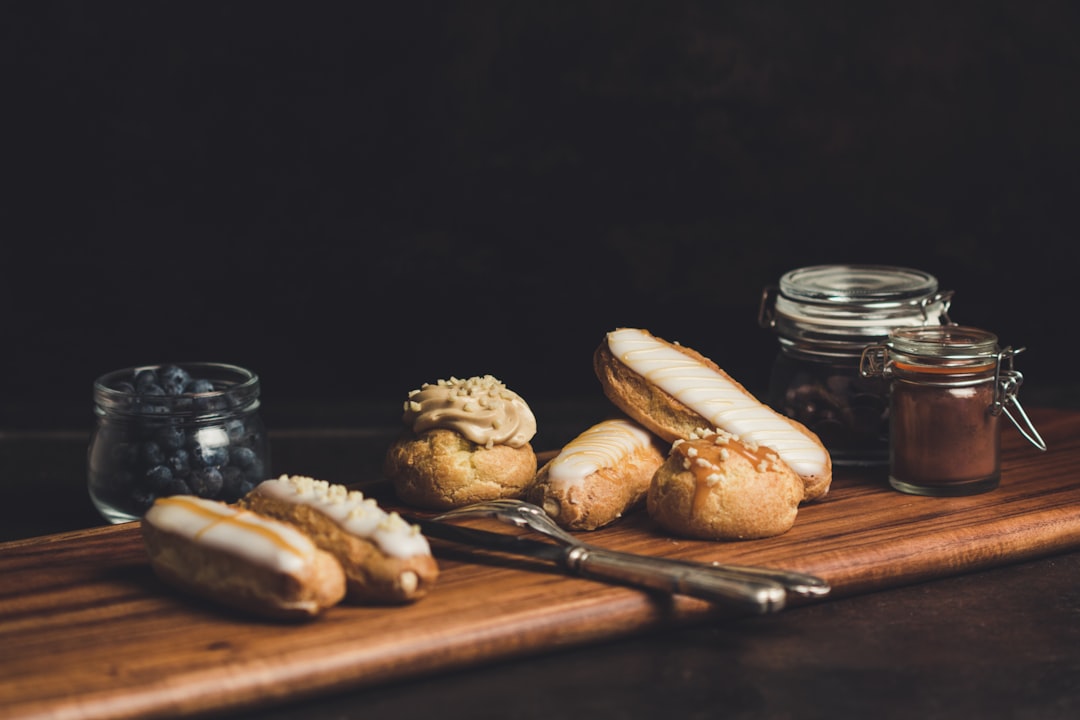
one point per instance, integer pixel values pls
(672, 389)
(239, 558)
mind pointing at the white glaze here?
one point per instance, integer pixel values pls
(354, 513)
(218, 526)
(716, 399)
(605, 444)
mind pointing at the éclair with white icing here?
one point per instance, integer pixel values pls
(599, 475)
(385, 558)
(353, 512)
(697, 385)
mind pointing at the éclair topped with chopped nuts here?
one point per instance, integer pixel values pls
(354, 513)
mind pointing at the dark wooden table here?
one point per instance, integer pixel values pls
(999, 643)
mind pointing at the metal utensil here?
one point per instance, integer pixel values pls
(756, 596)
(528, 515)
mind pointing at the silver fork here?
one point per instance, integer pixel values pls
(764, 587)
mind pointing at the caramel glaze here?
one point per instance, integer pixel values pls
(235, 519)
(705, 453)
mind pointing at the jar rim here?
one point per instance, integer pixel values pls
(857, 284)
(241, 386)
(846, 306)
(947, 342)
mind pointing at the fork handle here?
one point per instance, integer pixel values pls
(758, 596)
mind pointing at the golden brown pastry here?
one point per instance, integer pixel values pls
(673, 390)
(714, 487)
(386, 559)
(240, 559)
(464, 441)
(599, 475)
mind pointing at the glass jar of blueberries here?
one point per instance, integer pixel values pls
(175, 429)
(823, 316)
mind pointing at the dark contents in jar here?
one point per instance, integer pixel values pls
(945, 438)
(209, 449)
(848, 412)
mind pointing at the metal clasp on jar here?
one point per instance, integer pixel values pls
(1007, 384)
(873, 361)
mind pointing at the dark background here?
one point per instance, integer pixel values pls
(352, 199)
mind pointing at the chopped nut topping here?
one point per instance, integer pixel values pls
(480, 408)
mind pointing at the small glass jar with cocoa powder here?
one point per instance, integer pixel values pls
(949, 387)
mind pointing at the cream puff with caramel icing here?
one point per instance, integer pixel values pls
(599, 475)
(673, 390)
(714, 486)
(464, 441)
(385, 558)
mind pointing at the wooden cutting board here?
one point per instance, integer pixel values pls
(88, 632)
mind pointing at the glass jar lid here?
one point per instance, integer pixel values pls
(951, 346)
(861, 286)
(843, 307)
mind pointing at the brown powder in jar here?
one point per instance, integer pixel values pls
(944, 438)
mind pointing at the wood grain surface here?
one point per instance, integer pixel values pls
(87, 631)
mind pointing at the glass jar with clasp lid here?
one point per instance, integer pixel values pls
(823, 317)
(949, 387)
(174, 429)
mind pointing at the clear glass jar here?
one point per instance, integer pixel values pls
(177, 429)
(823, 316)
(949, 387)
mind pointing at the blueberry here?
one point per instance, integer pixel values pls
(199, 386)
(157, 478)
(236, 429)
(152, 390)
(207, 456)
(176, 486)
(237, 484)
(241, 457)
(151, 454)
(153, 405)
(170, 437)
(125, 387)
(179, 461)
(233, 484)
(255, 473)
(206, 482)
(141, 500)
(173, 379)
(145, 379)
